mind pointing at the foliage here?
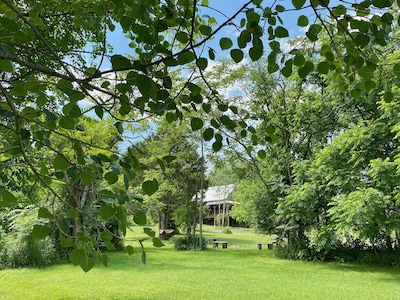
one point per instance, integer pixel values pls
(18, 248)
(227, 230)
(179, 179)
(189, 243)
(57, 69)
(17, 252)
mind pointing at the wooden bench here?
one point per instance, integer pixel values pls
(211, 240)
(223, 243)
(166, 234)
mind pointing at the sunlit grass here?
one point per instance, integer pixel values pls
(239, 272)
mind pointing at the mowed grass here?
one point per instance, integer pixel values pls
(239, 272)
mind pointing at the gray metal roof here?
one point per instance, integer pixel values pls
(217, 194)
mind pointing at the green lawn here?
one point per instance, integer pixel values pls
(239, 272)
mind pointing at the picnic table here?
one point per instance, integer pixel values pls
(223, 243)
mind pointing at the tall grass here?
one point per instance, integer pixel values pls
(239, 272)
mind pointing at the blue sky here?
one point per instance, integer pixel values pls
(227, 8)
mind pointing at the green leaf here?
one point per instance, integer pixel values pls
(298, 4)
(169, 158)
(288, 68)
(182, 37)
(109, 245)
(73, 213)
(44, 213)
(202, 63)
(256, 52)
(217, 145)
(396, 70)
(299, 59)
(87, 264)
(339, 10)
(208, 134)
(211, 53)
(244, 38)
(157, 242)
(144, 257)
(104, 259)
(87, 177)
(67, 122)
(225, 43)
(355, 93)
(306, 69)
(150, 232)
(227, 122)
(237, 55)
(6, 66)
(196, 123)
(323, 67)
(388, 96)
(67, 243)
(262, 154)
(60, 163)
(119, 127)
(111, 177)
(80, 128)
(106, 236)
(361, 40)
(150, 187)
(205, 30)
(120, 62)
(147, 86)
(186, 57)
(76, 256)
(140, 218)
(106, 212)
(367, 71)
(99, 111)
(194, 88)
(313, 32)
(8, 198)
(129, 250)
(281, 32)
(302, 21)
(280, 8)
(39, 232)
(382, 3)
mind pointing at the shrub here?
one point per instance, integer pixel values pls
(191, 243)
(26, 252)
(227, 230)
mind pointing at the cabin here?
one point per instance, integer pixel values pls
(220, 201)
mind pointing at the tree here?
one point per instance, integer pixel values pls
(175, 153)
(346, 193)
(53, 57)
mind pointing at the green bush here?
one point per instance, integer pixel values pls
(191, 243)
(17, 248)
(26, 252)
(227, 230)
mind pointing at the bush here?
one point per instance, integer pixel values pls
(191, 243)
(227, 230)
(26, 252)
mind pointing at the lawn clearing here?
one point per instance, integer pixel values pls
(240, 272)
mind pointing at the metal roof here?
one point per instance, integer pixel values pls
(217, 194)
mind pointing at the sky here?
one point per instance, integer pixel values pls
(222, 10)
